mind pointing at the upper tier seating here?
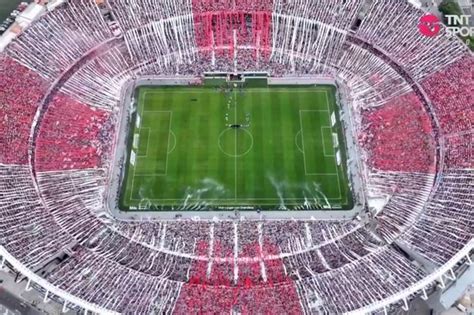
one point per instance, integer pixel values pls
(73, 136)
(21, 91)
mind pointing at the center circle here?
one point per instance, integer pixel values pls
(172, 142)
(235, 142)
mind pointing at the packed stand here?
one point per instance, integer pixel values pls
(86, 185)
(21, 92)
(99, 82)
(154, 35)
(340, 14)
(160, 41)
(113, 286)
(142, 12)
(406, 195)
(332, 255)
(398, 136)
(250, 292)
(74, 199)
(447, 224)
(26, 229)
(451, 93)
(459, 151)
(60, 38)
(246, 60)
(182, 236)
(319, 43)
(402, 41)
(225, 24)
(380, 274)
(73, 203)
(369, 77)
(72, 136)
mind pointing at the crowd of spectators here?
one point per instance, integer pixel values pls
(398, 136)
(331, 255)
(113, 265)
(99, 82)
(370, 78)
(21, 91)
(135, 15)
(107, 283)
(223, 23)
(60, 37)
(74, 199)
(250, 292)
(186, 266)
(405, 195)
(459, 150)
(419, 55)
(340, 14)
(381, 274)
(451, 93)
(163, 45)
(306, 47)
(71, 136)
(26, 231)
(447, 222)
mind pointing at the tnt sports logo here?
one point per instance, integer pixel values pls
(429, 25)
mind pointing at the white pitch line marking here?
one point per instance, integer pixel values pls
(302, 143)
(334, 156)
(324, 143)
(235, 144)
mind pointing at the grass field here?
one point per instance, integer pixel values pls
(6, 7)
(184, 155)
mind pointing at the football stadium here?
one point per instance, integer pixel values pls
(236, 157)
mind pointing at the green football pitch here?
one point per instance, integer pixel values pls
(200, 148)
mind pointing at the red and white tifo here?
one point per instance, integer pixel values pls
(404, 82)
